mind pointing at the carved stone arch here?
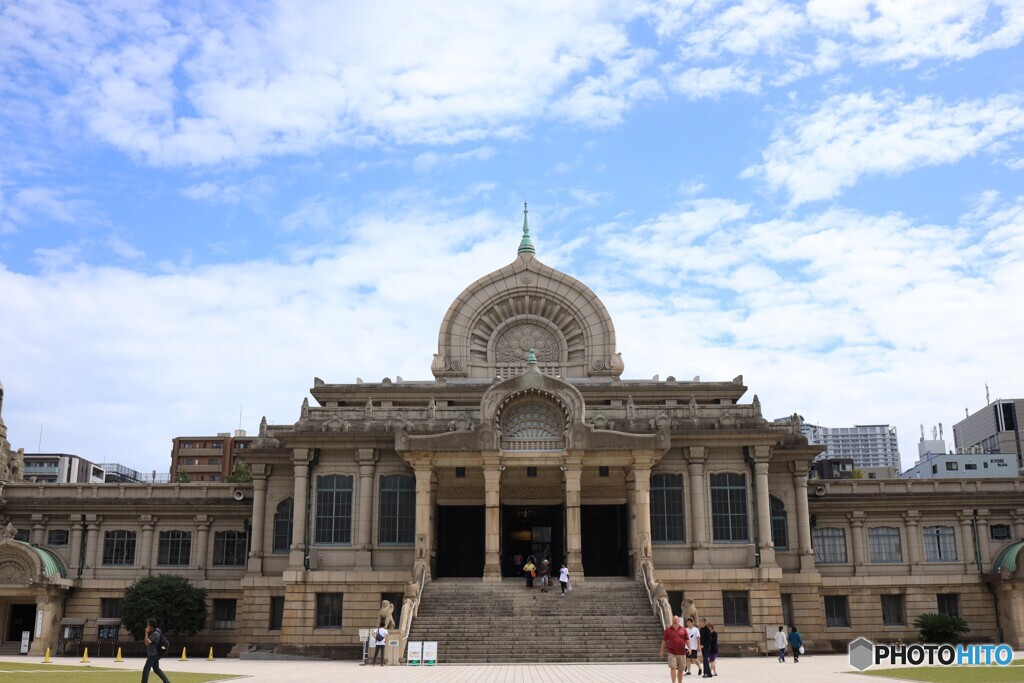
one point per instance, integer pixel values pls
(19, 564)
(533, 388)
(526, 293)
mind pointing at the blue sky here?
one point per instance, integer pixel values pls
(203, 206)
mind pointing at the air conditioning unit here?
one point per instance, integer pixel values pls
(961, 450)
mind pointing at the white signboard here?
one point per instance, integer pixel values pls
(415, 653)
(430, 653)
(364, 635)
(25, 636)
(39, 624)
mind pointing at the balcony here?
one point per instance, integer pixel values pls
(199, 469)
(193, 452)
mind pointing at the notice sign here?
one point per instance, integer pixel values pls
(39, 624)
(415, 653)
(364, 635)
(25, 636)
(430, 653)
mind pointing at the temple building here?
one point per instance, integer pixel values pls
(526, 441)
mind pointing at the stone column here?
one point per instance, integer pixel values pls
(145, 558)
(698, 510)
(984, 546)
(76, 546)
(300, 461)
(633, 543)
(857, 539)
(38, 529)
(573, 536)
(966, 539)
(1018, 524)
(803, 518)
(254, 564)
(911, 519)
(367, 458)
(49, 601)
(93, 544)
(762, 454)
(424, 469)
(202, 549)
(492, 520)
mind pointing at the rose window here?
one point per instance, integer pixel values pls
(515, 343)
(532, 426)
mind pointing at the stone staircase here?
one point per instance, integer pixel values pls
(600, 620)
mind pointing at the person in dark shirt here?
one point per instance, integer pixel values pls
(153, 640)
(705, 647)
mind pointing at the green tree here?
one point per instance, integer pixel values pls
(182, 478)
(241, 474)
(940, 628)
(177, 605)
(857, 473)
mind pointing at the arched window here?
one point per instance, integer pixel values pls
(283, 525)
(729, 508)
(397, 517)
(939, 544)
(884, 544)
(532, 426)
(829, 545)
(780, 525)
(668, 516)
(334, 509)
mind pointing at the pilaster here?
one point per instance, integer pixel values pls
(573, 471)
(300, 464)
(762, 455)
(698, 509)
(492, 469)
(254, 565)
(803, 517)
(367, 459)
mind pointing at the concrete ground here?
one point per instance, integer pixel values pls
(811, 669)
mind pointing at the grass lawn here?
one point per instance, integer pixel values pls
(55, 673)
(949, 674)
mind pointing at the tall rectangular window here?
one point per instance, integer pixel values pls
(780, 524)
(276, 613)
(283, 525)
(328, 610)
(224, 613)
(892, 610)
(729, 507)
(333, 509)
(668, 517)
(948, 604)
(230, 548)
(397, 518)
(837, 611)
(175, 549)
(119, 548)
(829, 545)
(939, 544)
(884, 544)
(736, 608)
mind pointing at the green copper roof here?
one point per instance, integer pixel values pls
(1007, 559)
(52, 566)
(526, 244)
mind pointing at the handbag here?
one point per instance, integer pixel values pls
(533, 574)
(801, 649)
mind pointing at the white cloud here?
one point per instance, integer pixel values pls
(696, 83)
(814, 156)
(428, 161)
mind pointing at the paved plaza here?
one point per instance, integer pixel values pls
(811, 669)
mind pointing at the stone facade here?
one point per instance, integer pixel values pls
(528, 440)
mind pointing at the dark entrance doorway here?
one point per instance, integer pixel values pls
(603, 534)
(22, 618)
(531, 530)
(460, 540)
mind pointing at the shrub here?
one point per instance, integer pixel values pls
(177, 605)
(940, 628)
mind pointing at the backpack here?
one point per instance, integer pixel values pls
(164, 645)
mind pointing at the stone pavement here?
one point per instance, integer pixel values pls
(811, 669)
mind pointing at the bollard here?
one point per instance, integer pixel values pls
(118, 656)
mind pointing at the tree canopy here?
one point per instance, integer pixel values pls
(178, 606)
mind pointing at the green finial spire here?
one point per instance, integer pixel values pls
(526, 245)
(531, 357)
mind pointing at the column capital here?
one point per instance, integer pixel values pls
(203, 522)
(800, 468)
(259, 470)
(366, 456)
(762, 454)
(965, 516)
(856, 518)
(148, 521)
(911, 517)
(93, 520)
(644, 459)
(697, 454)
(300, 456)
(982, 514)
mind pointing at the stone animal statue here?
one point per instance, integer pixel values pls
(384, 616)
(691, 610)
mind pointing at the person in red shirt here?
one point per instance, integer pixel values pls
(676, 639)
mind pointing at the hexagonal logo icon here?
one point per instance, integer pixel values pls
(862, 654)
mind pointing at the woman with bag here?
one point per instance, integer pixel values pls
(563, 578)
(796, 642)
(530, 569)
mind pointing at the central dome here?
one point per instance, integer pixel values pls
(493, 323)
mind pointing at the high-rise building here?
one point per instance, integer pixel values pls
(867, 445)
(993, 429)
(207, 458)
(61, 468)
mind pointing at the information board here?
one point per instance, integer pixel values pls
(415, 653)
(430, 653)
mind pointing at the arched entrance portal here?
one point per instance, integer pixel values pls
(33, 584)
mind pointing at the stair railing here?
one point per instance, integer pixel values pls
(411, 603)
(657, 595)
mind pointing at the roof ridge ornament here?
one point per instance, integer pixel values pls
(526, 244)
(531, 357)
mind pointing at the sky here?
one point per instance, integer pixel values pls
(205, 205)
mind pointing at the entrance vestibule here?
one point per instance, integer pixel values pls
(537, 530)
(20, 618)
(604, 537)
(460, 540)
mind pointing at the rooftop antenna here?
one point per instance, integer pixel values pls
(239, 416)
(988, 401)
(940, 432)
(935, 434)
(967, 413)
(922, 431)
(39, 447)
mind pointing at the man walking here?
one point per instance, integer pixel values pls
(780, 642)
(154, 638)
(705, 647)
(676, 639)
(796, 642)
(693, 633)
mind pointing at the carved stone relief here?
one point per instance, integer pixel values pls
(515, 343)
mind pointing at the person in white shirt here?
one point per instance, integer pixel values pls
(563, 578)
(694, 633)
(379, 636)
(780, 642)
